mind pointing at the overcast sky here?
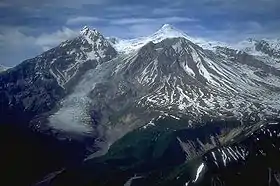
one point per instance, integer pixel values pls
(28, 27)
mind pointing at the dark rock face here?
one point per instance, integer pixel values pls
(152, 148)
(156, 156)
(27, 156)
(26, 93)
(251, 160)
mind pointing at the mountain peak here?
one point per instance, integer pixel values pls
(167, 27)
(167, 31)
(164, 32)
(170, 31)
(86, 31)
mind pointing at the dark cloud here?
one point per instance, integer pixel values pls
(15, 46)
(26, 26)
(56, 3)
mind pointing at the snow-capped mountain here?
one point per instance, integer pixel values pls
(36, 85)
(268, 47)
(162, 73)
(166, 31)
(103, 88)
(172, 76)
(34, 89)
(81, 53)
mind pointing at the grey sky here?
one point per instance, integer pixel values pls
(29, 27)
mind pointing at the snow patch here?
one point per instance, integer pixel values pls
(199, 170)
(151, 123)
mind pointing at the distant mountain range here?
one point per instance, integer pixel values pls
(96, 92)
(264, 47)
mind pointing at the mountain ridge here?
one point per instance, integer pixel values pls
(164, 32)
(214, 69)
(200, 83)
(87, 91)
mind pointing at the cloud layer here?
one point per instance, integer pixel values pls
(15, 46)
(29, 27)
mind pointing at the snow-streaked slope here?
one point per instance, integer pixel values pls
(174, 76)
(70, 58)
(165, 73)
(166, 31)
(98, 43)
(39, 83)
(197, 82)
